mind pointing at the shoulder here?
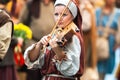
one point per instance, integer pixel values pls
(76, 37)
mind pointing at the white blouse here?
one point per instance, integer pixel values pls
(67, 67)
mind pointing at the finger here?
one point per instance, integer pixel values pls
(44, 40)
(53, 43)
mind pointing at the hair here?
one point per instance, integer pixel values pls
(117, 3)
(4, 1)
(13, 8)
(12, 12)
(34, 7)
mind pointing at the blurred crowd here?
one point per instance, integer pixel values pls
(100, 19)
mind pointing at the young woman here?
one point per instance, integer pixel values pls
(60, 56)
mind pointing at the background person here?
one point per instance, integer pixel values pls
(7, 67)
(5, 31)
(103, 16)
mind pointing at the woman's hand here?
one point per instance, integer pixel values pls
(45, 40)
(53, 42)
(60, 54)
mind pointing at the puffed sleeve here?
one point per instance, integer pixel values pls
(71, 65)
(5, 38)
(36, 64)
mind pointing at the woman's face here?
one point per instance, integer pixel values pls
(110, 2)
(66, 17)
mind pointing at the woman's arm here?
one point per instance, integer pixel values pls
(35, 52)
(34, 55)
(34, 58)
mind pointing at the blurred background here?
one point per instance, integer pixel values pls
(101, 32)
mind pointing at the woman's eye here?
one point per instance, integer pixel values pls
(56, 14)
(64, 14)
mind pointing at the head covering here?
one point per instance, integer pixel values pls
(72, 7)
(6, 29)
(4, 16)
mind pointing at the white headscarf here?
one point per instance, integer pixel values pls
(72, 7)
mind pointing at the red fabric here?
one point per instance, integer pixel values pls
(82, 60)
(19, 60)
(18, 56)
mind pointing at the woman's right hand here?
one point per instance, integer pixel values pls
(45, 40)
(35, 52)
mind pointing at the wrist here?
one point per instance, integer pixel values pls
(58, 59)
(60, 54)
